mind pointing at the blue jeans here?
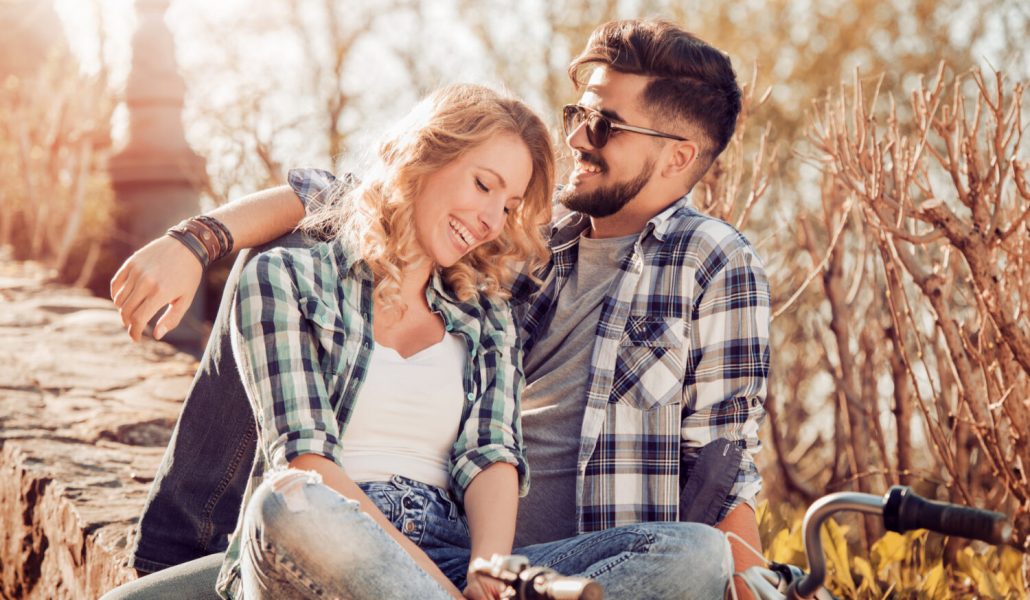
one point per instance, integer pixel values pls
(304, 540)
(308, 541)
(195, 500)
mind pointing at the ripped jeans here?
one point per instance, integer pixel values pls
(302, 539)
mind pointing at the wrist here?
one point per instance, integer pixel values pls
(488, 552)
(205, 237)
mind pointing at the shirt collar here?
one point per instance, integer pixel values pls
(437, 284)
(348, 258)
(660, 224)
(347, 255)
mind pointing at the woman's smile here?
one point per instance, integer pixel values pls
(463, 237)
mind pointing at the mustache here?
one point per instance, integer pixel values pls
(590, 159)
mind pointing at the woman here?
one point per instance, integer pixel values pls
(383, 366)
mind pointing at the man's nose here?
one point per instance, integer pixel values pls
(577, 138)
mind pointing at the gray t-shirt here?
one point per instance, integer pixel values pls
(555, 395)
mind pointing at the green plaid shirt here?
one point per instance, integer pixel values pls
(302, 337)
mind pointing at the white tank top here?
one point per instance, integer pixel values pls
(406, 416)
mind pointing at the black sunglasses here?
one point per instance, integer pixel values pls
(600, 127)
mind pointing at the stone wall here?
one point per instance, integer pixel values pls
(84, 418)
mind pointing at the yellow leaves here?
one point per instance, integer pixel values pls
(1012, 569)
(991, 574)
(892, 547)
(781, 534)
(787, 547)
(835, 546)
(906, 565)
(934, 585)
(868, 588)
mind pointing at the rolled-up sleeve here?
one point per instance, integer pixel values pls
(279, 362)
(316, 188)
(726, 388)
(493, 431)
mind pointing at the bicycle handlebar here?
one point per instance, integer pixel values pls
(536, 583)
(905, 510)
(902, 510)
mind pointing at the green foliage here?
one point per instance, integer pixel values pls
(910, 565)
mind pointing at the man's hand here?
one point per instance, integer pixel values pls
(162, 273)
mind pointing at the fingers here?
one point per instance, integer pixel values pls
(171, 318)
(143, 288)
(119, 279)
(480, 589)
(139, 317)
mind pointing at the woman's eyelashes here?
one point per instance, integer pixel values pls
(482, 187)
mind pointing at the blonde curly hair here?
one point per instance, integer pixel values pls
(378, 213)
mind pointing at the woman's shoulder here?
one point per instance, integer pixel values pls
(310, 269)
(496, 323)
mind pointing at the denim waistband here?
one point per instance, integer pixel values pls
(402, 484)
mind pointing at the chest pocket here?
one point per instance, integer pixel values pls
(335, 349)
(651, 360)
(326, 325)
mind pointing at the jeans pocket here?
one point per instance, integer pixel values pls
(387, 502)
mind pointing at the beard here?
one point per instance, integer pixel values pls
(607, 200)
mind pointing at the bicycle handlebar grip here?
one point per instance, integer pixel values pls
(539, 583)
(905, 510)
(574, 588)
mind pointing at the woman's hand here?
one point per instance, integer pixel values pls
(483, 588)
(162, 273)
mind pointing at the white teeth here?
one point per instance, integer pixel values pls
(463, 234)
(587, 167)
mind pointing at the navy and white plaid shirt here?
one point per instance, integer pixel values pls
(681, 358)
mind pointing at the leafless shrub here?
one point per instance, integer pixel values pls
(942, 201)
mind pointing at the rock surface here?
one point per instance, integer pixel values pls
(84, 418)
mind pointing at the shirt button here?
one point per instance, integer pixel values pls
(470, 396)
(409, 526)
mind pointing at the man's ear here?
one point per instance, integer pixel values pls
(682, 156)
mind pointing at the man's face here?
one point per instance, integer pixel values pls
(604, 180)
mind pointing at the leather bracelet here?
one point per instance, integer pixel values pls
(192, 244)
(206, 236)
(226, 237)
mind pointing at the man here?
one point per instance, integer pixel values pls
(646, 343)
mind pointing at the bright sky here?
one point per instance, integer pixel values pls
(213, 91)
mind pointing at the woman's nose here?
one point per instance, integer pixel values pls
(492, 216)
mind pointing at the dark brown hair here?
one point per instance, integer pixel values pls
(690, 80)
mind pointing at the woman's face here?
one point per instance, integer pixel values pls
(464, 204)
